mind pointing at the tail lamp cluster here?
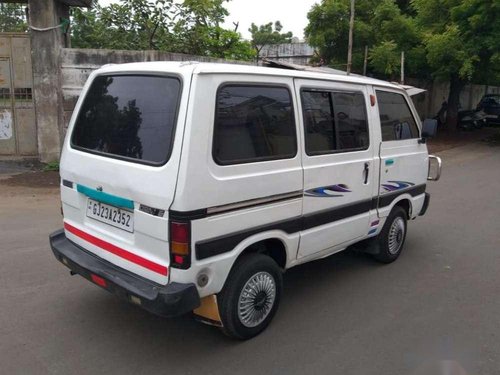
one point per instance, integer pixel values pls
(180, 245)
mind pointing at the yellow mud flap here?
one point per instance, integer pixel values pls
(208, 312)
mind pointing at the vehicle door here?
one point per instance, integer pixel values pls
(337, 161)
(403, 158)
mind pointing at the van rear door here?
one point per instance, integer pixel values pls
(119, 168)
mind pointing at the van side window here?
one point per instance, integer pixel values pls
(253, 123)
(334, 121)
(396, 119)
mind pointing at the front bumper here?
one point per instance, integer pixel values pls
(165, 300)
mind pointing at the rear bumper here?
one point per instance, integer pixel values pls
(425, 205)
(165, 300)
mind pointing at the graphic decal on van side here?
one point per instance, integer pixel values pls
(374, 227)
(396, 185)
(328, 191)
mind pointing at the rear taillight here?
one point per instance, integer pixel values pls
(180, 247)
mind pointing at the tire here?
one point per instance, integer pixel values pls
(250, 271)
(390, 241)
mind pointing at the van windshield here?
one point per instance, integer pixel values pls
(129, 117)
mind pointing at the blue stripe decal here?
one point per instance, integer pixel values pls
(105, 197)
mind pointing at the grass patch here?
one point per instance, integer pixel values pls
(51, 167)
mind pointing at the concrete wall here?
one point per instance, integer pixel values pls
(429, 103)
(77, 64)
(295, 53)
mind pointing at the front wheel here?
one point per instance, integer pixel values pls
(250, 296)
(392, 237)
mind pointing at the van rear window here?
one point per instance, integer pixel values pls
(129, 117)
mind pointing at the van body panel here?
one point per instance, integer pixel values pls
(146, 185)
(216, 185)
(403, 163)
(336, 181)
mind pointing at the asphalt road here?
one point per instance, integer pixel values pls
(434, 311)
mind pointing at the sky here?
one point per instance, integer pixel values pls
(291, 13)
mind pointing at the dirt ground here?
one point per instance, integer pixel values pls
(33, 179)
(446, 140)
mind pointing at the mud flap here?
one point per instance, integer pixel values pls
(368, 246)
(208, 312)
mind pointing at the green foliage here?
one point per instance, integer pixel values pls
(385, 58)
(12, 18)
(479, 26)
(376, 22)
(328, 30)
(51, 167)
(442, 38)
(453, 40)
(267, 34)
(191, 27)
(446, 54)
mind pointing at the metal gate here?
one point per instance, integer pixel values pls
(18, 135)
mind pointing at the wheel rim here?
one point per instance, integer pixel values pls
(256, 299)
(396, 235)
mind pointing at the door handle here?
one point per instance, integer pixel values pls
(366, 172)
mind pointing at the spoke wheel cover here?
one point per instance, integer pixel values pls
(396, 235)
(256, 299)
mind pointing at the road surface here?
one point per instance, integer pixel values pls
(435, 311)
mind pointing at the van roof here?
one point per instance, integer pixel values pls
(225, 68)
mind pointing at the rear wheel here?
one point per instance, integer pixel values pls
(250, 296)
(392, 237)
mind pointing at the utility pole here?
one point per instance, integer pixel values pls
(351, 28)
(365, 63)
(402, 67)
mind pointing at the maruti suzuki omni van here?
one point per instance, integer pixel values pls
(190, 187)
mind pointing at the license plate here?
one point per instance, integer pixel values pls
(117, 217)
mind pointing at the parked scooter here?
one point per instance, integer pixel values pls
(467, 120)
(470, 120)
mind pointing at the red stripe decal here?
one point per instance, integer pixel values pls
(127, 255)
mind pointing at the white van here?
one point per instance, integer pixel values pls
(192, 187)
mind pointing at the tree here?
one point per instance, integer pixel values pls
(267, 34)
(379, 24)
(328, 30)
(385, 58)
(202, 33)
(461, 40)
(191, 27)
(12, 18)
(452, 40)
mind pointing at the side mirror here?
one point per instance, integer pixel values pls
(429, 129)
